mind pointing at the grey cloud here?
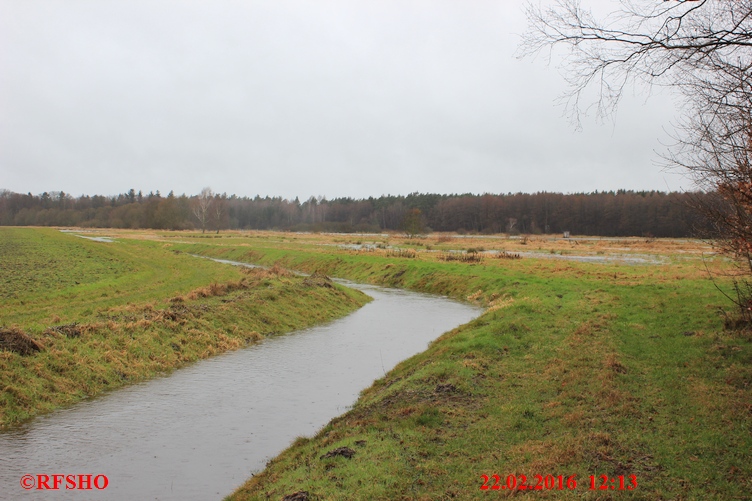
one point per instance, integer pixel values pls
(301, 98)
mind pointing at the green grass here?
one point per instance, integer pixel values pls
(575, 369)
(139, 310)
(42, 261)
(53, 277)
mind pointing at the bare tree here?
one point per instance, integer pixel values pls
(202, 207)
(219, 211)
(700, 48)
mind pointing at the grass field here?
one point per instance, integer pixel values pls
(109, 314)
(575, 369)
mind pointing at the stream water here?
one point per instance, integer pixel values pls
(200, 432)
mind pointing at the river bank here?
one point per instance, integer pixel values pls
(82, 317)
(195, 434)
(575, 369)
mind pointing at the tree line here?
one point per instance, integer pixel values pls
(612, 213)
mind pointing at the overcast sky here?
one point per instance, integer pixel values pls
(299, 98)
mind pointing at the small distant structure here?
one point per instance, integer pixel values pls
(566, 234)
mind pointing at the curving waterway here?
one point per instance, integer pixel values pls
(200, 432)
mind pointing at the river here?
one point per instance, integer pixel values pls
(200, 432)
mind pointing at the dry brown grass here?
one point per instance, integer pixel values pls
(585, 244)
(275, 271)
(17, 341)
(402, 253)
(467, 257)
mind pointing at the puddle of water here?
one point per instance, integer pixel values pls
(227, 261)
(95, 239)
(603, 259)
(379, 235)
(358, 246)
(202, 431)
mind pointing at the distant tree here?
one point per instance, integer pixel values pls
(624, 213)
(413, 224)
(219, 212)
(202, 207)
(168, 213)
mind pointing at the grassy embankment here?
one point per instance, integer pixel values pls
(574, 369)
(109, 314)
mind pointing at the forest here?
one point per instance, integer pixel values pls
(611, 213)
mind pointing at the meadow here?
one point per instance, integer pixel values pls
(593, 357)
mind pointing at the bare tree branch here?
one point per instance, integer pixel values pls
(700, 48)
(201, 207)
